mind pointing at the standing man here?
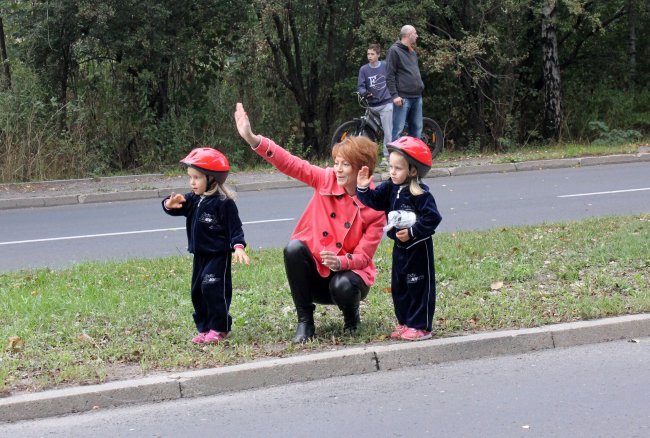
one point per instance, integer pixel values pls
(372, 85)
(405, 83)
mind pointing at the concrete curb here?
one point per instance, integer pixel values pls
(548, 164)
(290, 182)
(359, 360)
(488, 168)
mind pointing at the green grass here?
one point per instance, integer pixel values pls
(101, 321)
(545, 152)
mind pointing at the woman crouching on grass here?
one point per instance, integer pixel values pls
(329, 257)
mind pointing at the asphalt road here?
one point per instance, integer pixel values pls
(598, 390)
(60, 236)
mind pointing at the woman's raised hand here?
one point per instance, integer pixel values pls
(244, 126)
(363, 177)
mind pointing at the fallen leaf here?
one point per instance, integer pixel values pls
(85, 338)
(15, 344)
(496, 285)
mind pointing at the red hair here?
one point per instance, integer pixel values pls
(358, 151)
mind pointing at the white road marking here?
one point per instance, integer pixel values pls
(125, 233)
(603, 193)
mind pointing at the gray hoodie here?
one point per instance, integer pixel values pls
(402, 72)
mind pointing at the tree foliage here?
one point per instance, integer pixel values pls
(122, 85)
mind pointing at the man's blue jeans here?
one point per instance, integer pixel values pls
(410, 112)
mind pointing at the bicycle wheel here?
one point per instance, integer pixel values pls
(351, 128)
(432, 135)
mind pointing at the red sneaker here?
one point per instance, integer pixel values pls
(399, 330)
(214, 337)
(200, 338)
(411, 334)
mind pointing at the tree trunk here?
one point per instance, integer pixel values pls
(64, 73)
(299, 67)
(631, 51)
(552, 97)
(4, 60)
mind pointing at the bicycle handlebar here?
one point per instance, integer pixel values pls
(362, 100)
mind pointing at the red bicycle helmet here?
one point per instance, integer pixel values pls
(209, 161)
(415, 151)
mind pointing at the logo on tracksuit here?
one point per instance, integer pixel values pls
(210, 278)
(207, 218)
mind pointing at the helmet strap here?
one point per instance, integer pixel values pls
(413, 171)
(211, 182)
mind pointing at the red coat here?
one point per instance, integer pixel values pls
(333, 220)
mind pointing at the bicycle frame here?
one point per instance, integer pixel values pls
(369, 124)
(370, 118)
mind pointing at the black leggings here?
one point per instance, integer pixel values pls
(344, 288)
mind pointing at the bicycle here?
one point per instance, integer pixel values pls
(369, 125)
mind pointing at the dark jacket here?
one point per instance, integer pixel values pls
(389, 197)
(212, 224)
(402, 72)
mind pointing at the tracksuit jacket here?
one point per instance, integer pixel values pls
(213, 229)
(413, 281)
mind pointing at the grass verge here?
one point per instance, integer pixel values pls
(104, 321)
(545, 152)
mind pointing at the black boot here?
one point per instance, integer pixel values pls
(305, 329)
(351, 319)
(304, 332)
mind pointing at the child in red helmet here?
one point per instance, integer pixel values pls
(214, 234)
(413, 218)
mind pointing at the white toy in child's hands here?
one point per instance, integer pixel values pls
(400, 219)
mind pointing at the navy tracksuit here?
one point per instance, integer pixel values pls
(413, 279)
(213, 229)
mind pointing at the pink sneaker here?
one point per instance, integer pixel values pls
(399, 330)
(214, 337)
(200, 338)
(411, 334)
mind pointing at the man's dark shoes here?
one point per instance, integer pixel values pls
(304, 332)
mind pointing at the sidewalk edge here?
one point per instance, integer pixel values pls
(355, 360)
(72, 199)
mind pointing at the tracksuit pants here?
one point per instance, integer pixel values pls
(413, 284)
(212, 291)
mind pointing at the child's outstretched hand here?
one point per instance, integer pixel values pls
(244, 126)
(176, 200)
(363, 177)
(241, 256)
